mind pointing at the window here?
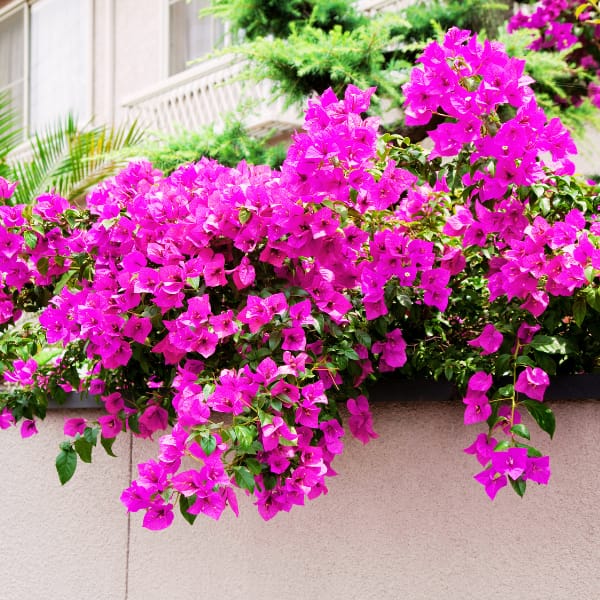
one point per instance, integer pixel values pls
(191, 37)
(45, 60)
(12, 60)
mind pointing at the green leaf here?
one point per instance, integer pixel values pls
(107, 444)
(244, 436)
(363, 338)
(133, 422)
(521, 430)
(551, 344)
(592, 296)
(91, 435)
(542, 415)
(525, 361)
(579, 310)
(208, 443)
(244, 478)
(244, 215)
(66, 463)
(531, 451)
(30, 238)
(518, 485)
(184, 504)
(503, 445)
(84, 449)
(506, 391)
(253, 466)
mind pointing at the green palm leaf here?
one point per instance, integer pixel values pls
(10, 133)
(69, 160)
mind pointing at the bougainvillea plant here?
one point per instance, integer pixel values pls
(573, 28)
(246, 310)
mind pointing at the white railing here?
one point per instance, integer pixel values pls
(205, 95)
(374, 6)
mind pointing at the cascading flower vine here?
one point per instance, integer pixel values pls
(242, 308)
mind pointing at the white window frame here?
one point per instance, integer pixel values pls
(166, 41)
(10, 9)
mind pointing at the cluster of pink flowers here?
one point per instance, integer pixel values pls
(562, 24)
(241, 306)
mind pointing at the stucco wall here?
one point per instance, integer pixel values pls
(403, 520)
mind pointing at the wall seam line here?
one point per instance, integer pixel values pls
(128, 541)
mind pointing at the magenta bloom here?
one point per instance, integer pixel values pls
(28, 428)
(511, 462)
(489, 340)
(478, 407)
(75, 426)
(393, 351)
(492, 481)
(294, 339)
(154, 418)
(482, 448)
(6, 418)
(110, 425)
(538, 469)
(6, 188)
(533, 383)
(480, 382)
(361, 420)
(158, 516)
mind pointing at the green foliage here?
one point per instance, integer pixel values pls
(262, 18)
(65, 157)
(555, 81)
(229, 147)
(70, 160)
(306, 46)
(10, 136)
(310, 60)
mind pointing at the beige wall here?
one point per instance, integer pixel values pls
(403, 520)
(128, 46)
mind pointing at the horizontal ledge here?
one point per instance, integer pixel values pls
(564, 387)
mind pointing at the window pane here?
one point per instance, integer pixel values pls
(59, 61)
(189, 36)
(12, 65)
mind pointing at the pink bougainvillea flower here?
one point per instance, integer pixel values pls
(489, 340)
(511, 462)
(75, 426)
(110, 426)
(22, 373)
(6, 188)
(392, 350)
(526, 332)
(538, 469)
(480, 382)
(492, 481)
(113, 403)
(158, 516)
(28, 428)
(6, 418)
(294, 338)
(533, 383)
(361, 420)
(478, 407)
(154, 418)
(272, 431)
(137, 328)
(507, 418)
(482, 448)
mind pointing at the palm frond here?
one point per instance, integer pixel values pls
(69, 161)
(10, 131)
